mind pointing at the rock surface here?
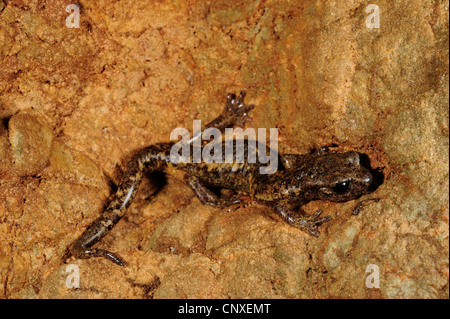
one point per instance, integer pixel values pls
(74, 102)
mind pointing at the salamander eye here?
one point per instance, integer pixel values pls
(341, 188)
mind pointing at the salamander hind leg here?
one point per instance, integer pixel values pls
(299, 219)
(207, 197)
(234, 113)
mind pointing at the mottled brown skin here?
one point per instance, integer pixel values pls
(322, 175)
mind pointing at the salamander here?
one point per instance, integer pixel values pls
(299, 179)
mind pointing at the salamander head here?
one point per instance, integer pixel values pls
(337, 177)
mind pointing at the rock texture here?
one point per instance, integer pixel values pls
(74, 102)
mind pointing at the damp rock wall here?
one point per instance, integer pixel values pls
(76, 101)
